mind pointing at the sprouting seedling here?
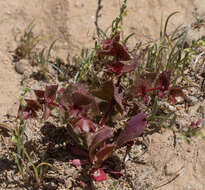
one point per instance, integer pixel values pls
(85, 64)
(37, 170)
(18, 139)
(28, 42)
(42, 60)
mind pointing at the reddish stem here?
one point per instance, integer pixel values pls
(152, 89)
(108, 110)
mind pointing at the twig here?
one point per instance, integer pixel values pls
(97, 15)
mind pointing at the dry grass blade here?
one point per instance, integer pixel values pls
(5, 129)
(169, 180)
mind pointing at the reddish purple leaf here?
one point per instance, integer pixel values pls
(47, 98)
(116, 38)
(29, 111)
(39, 93)
(78, 151)
(134, 128)
(106, 92)
(149, 76)
(118, 97)
(61, 90)
(196, 124)
(109, 91)
(129, 68)
(130, 143)
(40, 96)
(96, 139)
(50, 93)
(120, 68)
(65, 99)
(77, 100)
(81, 99)
(107, 44)
(33, 104)
(163, 82)
(141, 88)
(80, 95)
(103, 154)
(115, 49)
(116, 67)
(98, 174)
(76, 111)
(26, 113)
(86, 126)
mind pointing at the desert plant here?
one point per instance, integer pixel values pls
(21, 156)
(27, 43)
(42, 60)
(88, 104)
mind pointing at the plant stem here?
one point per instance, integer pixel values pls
(108, 110)
(97, 15)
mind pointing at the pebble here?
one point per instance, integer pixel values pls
(19, 66)
(179, 107)
(191, 100)
(68, 183)
(180, 100)
(171, 108)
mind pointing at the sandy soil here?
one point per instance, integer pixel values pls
(72, 22)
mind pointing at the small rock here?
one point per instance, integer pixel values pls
(68, 183)
(100, 74)
(179, 107)
(191, 100)
(20, 66)
(179, 100)
(171, 108)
